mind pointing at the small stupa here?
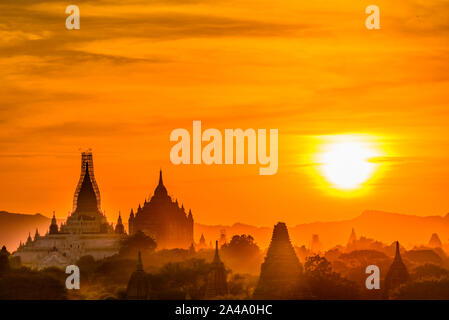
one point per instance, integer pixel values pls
(119, 227)
(216, 280)
(315, 244)
(202, 244)
(138, 285)
(435, 241)
(352, 238)
(397, 274)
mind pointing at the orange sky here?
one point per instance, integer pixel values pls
(135, 72)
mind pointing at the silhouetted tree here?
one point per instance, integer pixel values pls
(137, 242)
(429, 271)
(25, 284)
(87, 265)
(180, 280)
(241, 285)
(324, 283)
(423, 290)
(242, 254)
(241, 246)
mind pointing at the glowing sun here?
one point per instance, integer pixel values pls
(347, 164)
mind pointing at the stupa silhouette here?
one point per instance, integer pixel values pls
(352, 241)
(138, 285)
(397, 274)
(435, 241)
(216, 281)
(281, 270)
(352, 238)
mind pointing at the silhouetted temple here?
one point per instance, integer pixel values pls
(138, 284)
(352, 238)
(352, 241)
(216, 280)
(4, 251)
(163, 219)
(202, 244)
(4, 261)
(222, 237)
(397, 274)
(192, 249)
(85, 232)
(315, 244)
(435, 241)
(281, 269)
(54, 229)
(119, 227)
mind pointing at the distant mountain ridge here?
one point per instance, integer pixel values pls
(14, 227)
(383, 226)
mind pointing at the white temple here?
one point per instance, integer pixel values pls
(85, 232)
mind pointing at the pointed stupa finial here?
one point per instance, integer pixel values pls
(398, 252)
(192, 248)
(139, 261)
(29, 237)
(352, 238)
(160, 191)
(216, 257)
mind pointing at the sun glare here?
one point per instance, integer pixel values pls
(347, 162)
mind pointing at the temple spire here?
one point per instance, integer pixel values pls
(161, 191)
(139, 262)
(54, 225)
(119, 228)
(397, 274)
(398, 252)
(86, 197)
(216, 257)
(29, 240)
(138, 285)
(216, 280)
